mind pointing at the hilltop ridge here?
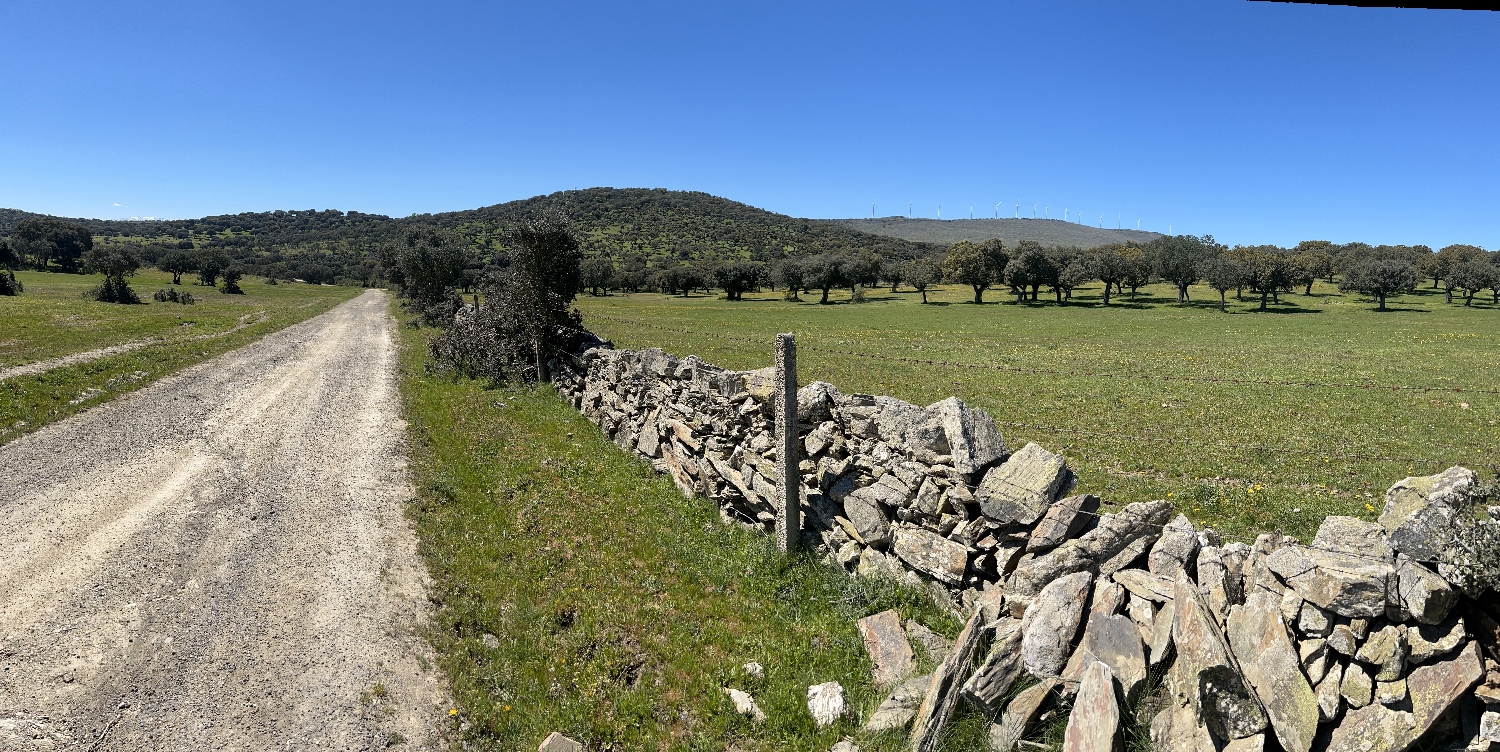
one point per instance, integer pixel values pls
(948, 231)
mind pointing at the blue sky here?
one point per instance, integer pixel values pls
(1255, 122)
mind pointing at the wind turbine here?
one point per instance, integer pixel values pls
(971, 211)
(1137, 223)
(997, 211)
(908, 211)
(1018, 208)
(1117, 221)
(1065, 213)
(872, 210)
(940, 211)
(1101, 221)
(1033, 210)
(1047, 211)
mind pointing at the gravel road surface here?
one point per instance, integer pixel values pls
(220, 560)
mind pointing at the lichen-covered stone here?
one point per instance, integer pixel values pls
(1258, 638)
(1385, 651)
(1094, 724)
(1329, 699)
(1425, 595)
(1145, 584)
(1426, 642)
(1357, 687)
(1022, 488)
(1175, 550)
(900, 706)
(1113, 640)
(1051, 622)
(1390, 693)
(1419, 511)
(1344, 584)
(1436, 686)
(943, 559)
(992, 681)
(887, 645)
(1204, 676)
(869, 520)
(1113, 534)
(1064, 519)
(943, 690)
(1019, 714)
(973, 440)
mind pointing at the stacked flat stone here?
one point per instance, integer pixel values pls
(1362, 639)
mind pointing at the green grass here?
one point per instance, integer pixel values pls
(618, 609)
(1246, 458)
(51, 319)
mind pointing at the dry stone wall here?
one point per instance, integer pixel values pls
(1361, 639)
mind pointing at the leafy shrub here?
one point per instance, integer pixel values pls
(113, 290)
(232, 276)
(173, 295)
(527, 318)
(9, 285)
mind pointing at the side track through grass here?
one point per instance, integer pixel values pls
(51, 319)
(1246, 458)
(579, 592)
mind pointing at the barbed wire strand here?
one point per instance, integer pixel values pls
(1074, 372)
(1099, 434)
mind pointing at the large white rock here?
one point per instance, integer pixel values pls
(826, 703)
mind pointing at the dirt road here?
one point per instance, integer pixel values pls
(220, 561)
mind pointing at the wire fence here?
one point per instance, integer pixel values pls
(1080, 373)
(1144, 436)
(1140, 436)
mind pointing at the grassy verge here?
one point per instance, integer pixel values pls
(1244, 457)
(51, 319)
(578, 591)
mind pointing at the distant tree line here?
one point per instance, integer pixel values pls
(1264, 272)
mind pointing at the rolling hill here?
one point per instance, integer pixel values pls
(947, 231)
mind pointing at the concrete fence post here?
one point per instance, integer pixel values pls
(788, 448)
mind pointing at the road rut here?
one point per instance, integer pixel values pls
(220, 560)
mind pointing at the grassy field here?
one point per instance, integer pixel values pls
(579, 592)
(51, 319)
(1245, 457)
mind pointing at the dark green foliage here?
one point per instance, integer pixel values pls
(921, 274)
(791, 274)
(47, 240)
(527, 318)
(112, 290)
(209, 265)
(232, 276)
(9, 259)
(1380, 279)
(115, 262)
(173, 295)
(597, 273)
(176, 263)
(826, 271)
(1470, 277)
(1223, 275)
(681, 279)
(977, 266)
(1031, 267)
(1176, 259)
(427, 264)
(1265, 269)
(736, 278)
